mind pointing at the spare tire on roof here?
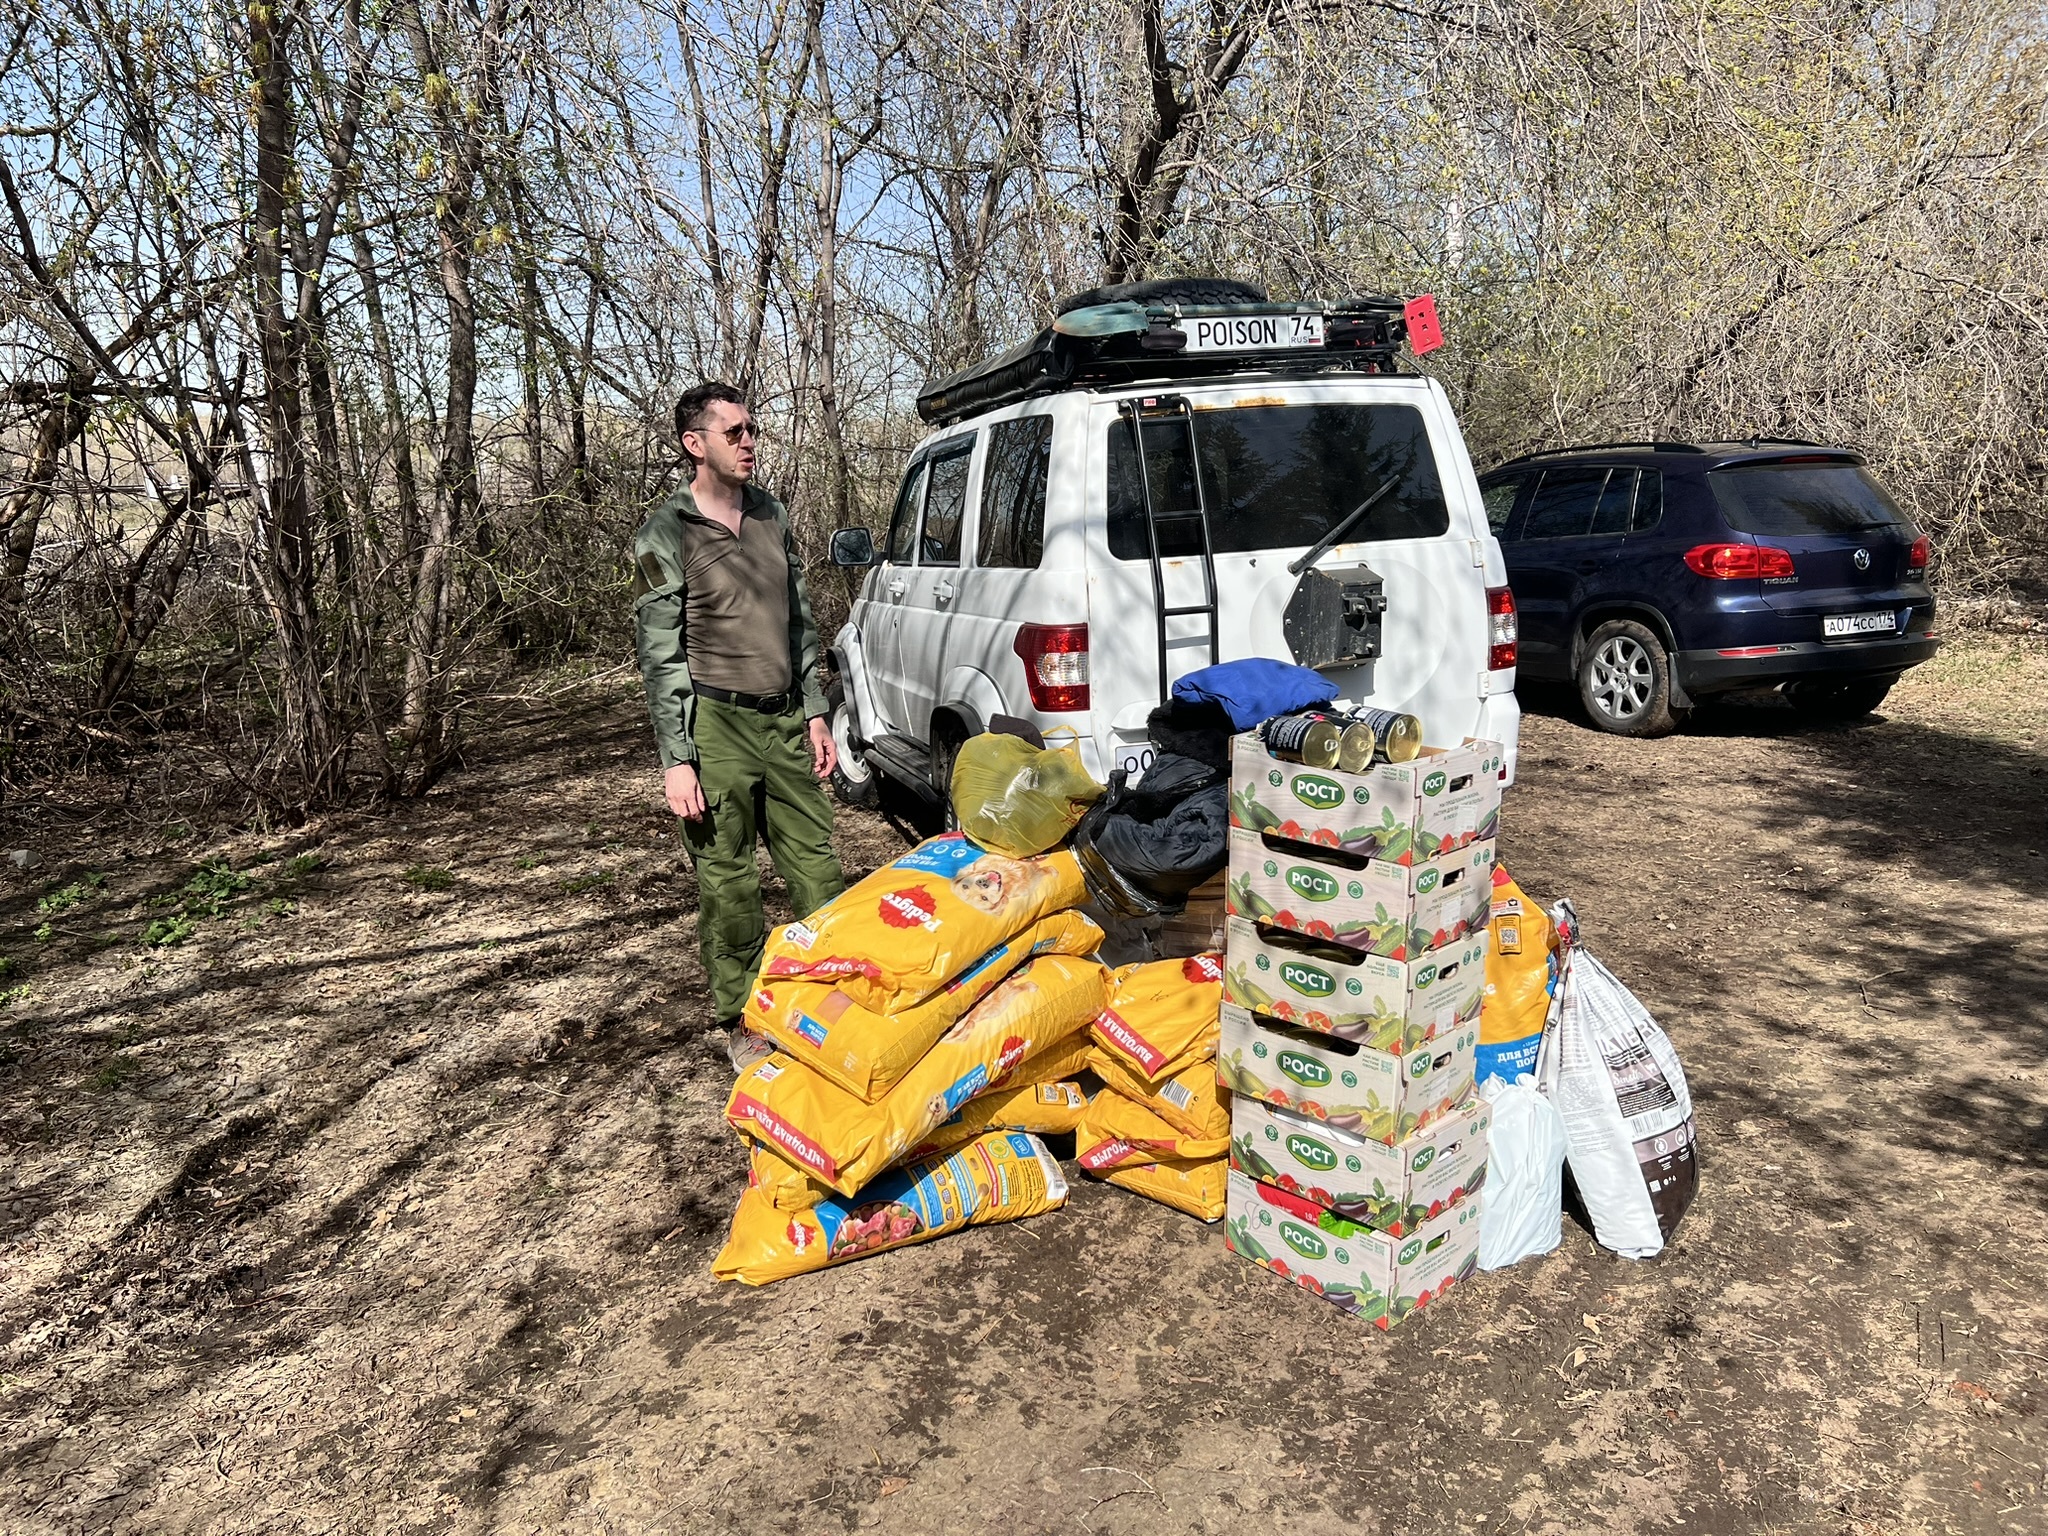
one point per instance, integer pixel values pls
(1167, 290)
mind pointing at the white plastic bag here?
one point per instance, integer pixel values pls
(1614, 1077)
(1523, 1210)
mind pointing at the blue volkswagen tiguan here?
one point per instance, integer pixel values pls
(1655, 574)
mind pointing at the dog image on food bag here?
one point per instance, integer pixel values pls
(993, 883)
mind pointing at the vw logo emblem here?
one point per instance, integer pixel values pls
(1862, 559)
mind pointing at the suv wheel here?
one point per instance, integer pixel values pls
(1839, 699)
(1625, 680)
(853, 781)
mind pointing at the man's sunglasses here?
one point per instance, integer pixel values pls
(733, 435)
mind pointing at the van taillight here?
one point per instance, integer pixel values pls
(1916, 557)
(1055, 658)
(1734, 562)
(1504, 629)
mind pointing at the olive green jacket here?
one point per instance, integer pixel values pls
(660, 601)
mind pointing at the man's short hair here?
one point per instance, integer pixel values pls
(695, 404)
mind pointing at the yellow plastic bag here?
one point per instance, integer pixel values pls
(1521, 970)
(1163, 1015)
(866, 1052)
(1190, 1100)
(1114, 1132)
(1002, 1176)
(843, 1141)
(1018, 799)
(901, 934)
(1195, 1185)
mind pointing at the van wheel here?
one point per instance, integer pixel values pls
(1625, 681)
(853, 781)
(1844, 699)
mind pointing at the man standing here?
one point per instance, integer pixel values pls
(729, 654)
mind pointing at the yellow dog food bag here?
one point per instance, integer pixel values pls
(1043, 1108)
(1001, 1176)
(1116, 1133)
(866, 1052)
(1521, 972)
(1190, 1100)
(843, 1141)
(1163, 1014)
(1195, 1185)
(912, 926)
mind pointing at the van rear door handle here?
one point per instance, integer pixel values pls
(896, 587)
(943, 592)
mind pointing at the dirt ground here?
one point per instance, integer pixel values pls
(386, 1199)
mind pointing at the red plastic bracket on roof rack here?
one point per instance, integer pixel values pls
(1424, 334)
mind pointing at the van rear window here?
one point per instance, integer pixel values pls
(1780, 500)
(1276, 477)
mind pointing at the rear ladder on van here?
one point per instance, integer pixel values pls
(1173, 408)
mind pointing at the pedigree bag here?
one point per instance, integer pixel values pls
(866, 1052)
(1114, 1132)
(1163, 1015)
(901, 934)
(1043, 1108)
(843, 1141)
(1190, 1100)
(1521, 974)
(1199, 1186)
(1001, 1176)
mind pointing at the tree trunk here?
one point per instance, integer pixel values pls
(396, 418)
(287, 567)
(66, 409)
(426, 726)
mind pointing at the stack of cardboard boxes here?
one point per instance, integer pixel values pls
(1355, 965)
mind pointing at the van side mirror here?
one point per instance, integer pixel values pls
(853, 546)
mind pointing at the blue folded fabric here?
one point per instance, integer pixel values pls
(1255, 689)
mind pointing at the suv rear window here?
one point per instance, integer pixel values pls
(1276, 477)
(1573, 503)
(1780, 500)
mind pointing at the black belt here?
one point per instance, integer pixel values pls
(765, 703)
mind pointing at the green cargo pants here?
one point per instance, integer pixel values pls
(756, 773)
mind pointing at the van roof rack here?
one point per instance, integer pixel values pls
(1131, 343)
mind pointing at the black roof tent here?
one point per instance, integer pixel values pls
(1131, 341)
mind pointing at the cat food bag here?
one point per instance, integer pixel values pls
(1115, 1132)
(1190, 1100)
(843, 1141)
(867, 1052)
(1000, 1176)
(901, 934)
(1163, 1015)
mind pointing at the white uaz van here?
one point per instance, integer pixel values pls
(1039, 566)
